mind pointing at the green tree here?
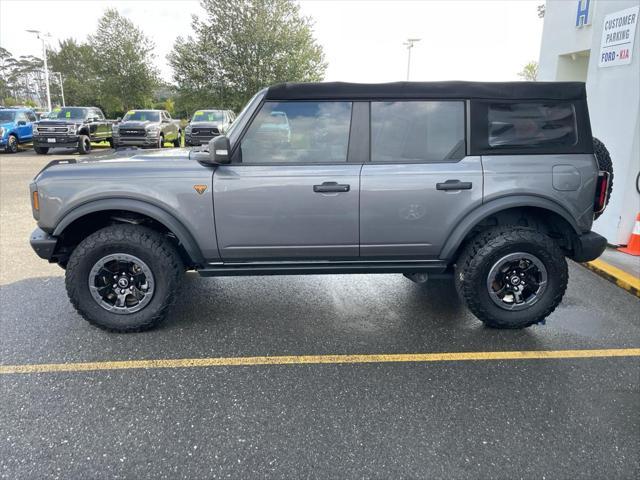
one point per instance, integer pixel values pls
(529, 72)
(76, 62)
(240, 46)
(123, 63)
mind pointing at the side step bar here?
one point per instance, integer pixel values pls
(304, 268)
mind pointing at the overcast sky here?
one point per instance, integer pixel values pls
(362, 40)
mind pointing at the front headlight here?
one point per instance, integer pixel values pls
(73, 129)
(188, 129)
(153, 129)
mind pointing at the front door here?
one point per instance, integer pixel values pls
(419, 182)
(290, 192)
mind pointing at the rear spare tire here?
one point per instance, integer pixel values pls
(605, 164)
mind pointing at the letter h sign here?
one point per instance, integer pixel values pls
(582, 16)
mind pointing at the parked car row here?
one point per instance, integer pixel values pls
(80, 127)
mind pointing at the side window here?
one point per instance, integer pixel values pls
(531, 124)
(21, 117)
(298, 132)
(166, 115)
(32, 117)
(417, 131)
(98, 113)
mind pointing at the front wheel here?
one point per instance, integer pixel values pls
(178, 141)
(12, 144)
(41, 150)
(84, 144)
(511, 277)
(124, 278)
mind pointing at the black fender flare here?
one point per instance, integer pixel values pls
(457, 236)
(138, 206)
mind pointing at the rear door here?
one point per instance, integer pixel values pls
(292, 191)
(28, 131)
(420, 182)
(103, 129)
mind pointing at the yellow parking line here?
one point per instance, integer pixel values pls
(613, 274)
(316, 359)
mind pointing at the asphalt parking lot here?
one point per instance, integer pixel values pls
(458, 417)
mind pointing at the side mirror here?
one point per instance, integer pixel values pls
(21, 122)
(119, 119)
(219, 150)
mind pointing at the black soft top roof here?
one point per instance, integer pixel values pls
(418, 90)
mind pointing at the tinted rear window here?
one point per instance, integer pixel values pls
(531, 124)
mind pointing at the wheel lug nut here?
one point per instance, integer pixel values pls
(114, 285)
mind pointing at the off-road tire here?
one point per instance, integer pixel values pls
(605, 164)
(481, 253)
(146, 244)
(111, 143)
(41, 150)
(12, 144)
(177, 141)
(84, 144)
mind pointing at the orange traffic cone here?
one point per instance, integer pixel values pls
(633, 247)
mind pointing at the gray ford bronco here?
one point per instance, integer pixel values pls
(495, 183)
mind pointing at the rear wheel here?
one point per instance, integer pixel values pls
(511, 277)
(161, 141)
(123, 278)
(84, 144)
(12, 144)
(41, 150)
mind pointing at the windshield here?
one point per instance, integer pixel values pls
(208, 116)
(142, 116)
(74, 113)
(7, 115)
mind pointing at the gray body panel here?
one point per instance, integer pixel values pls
(272, 212)
(402, 213)
(165, 183)
(569, 181)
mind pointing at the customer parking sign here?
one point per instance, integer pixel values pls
(618, 33)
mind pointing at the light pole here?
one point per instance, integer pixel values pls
(409, 44)
(41, 37)
(61, 86)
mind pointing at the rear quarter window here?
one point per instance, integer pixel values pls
(529, 127)
(531, 124)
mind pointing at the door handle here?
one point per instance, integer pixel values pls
(329, 187)
(454, 185)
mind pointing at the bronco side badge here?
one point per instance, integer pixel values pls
(200, 188)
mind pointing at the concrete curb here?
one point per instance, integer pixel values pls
(615, 275)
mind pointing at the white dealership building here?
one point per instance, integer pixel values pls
(593, 41)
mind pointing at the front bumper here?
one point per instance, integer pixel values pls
(43, 244)
(198, 140)
(146, 141)
(59, 140)
(588, 246)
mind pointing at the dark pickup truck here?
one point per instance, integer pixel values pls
(74, 127)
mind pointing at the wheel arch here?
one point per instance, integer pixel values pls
(540, 211)
(100, 213)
